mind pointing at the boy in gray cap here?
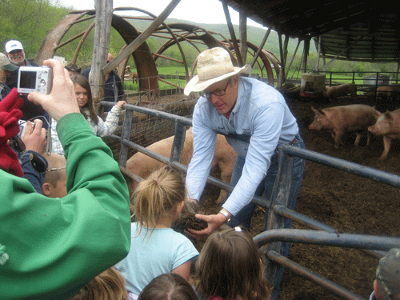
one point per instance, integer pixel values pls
(387, 282)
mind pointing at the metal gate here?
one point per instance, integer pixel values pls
(270, 241)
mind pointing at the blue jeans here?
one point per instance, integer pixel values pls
(244, 216)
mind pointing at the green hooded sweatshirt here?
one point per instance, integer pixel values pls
(50, 248)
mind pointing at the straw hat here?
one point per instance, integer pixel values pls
(213, 65)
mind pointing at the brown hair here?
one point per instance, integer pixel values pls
(84, 82)
(168, 287)
(229, 266)
(109, 285)
(158, 196)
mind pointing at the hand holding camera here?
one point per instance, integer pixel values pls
(34, 79)
(61, 100)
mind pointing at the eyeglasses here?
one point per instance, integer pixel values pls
(55, 169)
(218, 92)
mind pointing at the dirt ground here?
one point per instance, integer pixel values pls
(349, 203)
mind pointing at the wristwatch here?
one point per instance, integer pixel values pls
(226, 214)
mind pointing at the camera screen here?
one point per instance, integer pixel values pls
(28, 80)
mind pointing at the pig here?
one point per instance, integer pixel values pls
(341, 90)
(135, 77)
(388, 92)
(388, 125)
(224, 159)
(342, 119)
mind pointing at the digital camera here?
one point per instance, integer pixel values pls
(35, 79)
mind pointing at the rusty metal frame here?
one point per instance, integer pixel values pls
(143, 58)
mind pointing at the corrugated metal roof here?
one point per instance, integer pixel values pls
(354, 30)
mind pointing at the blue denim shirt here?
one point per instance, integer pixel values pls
(260, 116)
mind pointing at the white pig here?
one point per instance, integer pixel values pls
(342, 119)
(224, 159)
(388, 125)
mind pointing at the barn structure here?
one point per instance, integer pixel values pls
(348, 30)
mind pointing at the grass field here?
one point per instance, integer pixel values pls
(175, 73)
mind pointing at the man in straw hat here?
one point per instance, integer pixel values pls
(255, 119)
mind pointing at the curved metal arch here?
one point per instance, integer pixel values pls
(163, 25)
(206, 37)
(266, 57)
(142, 57)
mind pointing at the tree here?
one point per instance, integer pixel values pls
(28, 21)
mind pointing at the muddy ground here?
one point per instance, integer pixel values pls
(347, 202)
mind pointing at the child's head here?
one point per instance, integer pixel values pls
(160, 197)
(168, 287)
(55, 180)
(83, 94)
(387, 283)
(109, 285)
(229, 266)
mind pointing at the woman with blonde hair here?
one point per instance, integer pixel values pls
(230, 268)
(155, 247)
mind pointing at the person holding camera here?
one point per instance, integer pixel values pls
(16, 54)
(51, 247)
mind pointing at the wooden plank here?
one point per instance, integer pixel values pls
(141, 38)
(104, 12)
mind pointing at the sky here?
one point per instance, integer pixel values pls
(199, 11)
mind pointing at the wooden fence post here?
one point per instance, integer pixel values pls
(104, 12)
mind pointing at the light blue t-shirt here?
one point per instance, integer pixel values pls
(164, 251)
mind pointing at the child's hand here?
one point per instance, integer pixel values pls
(120, 103)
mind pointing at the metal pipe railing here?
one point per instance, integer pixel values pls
(326, 235)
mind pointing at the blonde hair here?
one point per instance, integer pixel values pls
(109, 285)
(158, 196)
(55, 161)
(229, 266)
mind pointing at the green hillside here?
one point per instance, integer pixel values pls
(254, 34)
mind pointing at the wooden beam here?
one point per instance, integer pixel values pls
(104, 12)
(243, 35)
(261, 47)
(141, 38)
(306, 50)
(232, 32)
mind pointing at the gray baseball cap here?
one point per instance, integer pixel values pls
(6, 64)
(388, 274)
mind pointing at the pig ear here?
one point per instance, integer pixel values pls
(317, 111)
(377, 113)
